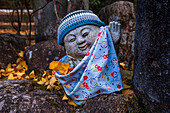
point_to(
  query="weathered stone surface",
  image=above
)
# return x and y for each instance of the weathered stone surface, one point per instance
(79, 5)
(9, 46)
(39, 56)
(24, 96)
(45, 20)
(151, 62)
(111, 103)
(123, 12)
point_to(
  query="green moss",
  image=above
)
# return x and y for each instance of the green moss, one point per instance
(23, 83)
(89, 101)
(41, 87)
(134, 105)
(35, 86)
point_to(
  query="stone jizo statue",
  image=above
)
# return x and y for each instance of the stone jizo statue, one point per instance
(79, 40)
(90, 51)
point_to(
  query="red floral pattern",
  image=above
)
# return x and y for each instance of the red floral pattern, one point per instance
(105, 56)
(85, 78)
(119, 86)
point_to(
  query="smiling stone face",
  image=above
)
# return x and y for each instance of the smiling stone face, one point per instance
(79, 41)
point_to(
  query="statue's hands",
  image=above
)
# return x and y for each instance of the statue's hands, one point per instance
(115, 30)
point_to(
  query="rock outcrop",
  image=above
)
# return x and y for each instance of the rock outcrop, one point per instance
(39, 56)
(123, 12)
(10, 45)
(25, 96)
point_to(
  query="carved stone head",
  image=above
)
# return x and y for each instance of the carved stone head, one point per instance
(77, 32)
(79, 41)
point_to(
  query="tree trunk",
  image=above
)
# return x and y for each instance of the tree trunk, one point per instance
(45, 20)
(79, 5)
(151, 61)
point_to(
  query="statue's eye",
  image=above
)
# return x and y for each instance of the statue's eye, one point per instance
(85, 34)
(71, 38)
(85, 31)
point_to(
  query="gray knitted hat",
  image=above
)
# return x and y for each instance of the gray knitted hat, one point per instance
(76, 19)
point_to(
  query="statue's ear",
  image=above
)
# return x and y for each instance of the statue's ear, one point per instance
(65, 49)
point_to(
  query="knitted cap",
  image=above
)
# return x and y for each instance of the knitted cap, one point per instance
(76, 19)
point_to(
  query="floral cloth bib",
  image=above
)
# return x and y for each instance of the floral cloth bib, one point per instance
(97, 73)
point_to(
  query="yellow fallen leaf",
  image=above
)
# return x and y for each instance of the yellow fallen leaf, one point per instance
(127, 92)
(57, 82)
(122, 64)
(57, 87)
(20, 75)
(33, 42)
(65, 97)
(32, 74)
(14, 65)
(49, 87)
(22, 70)
(40, 82)
(53, 64)
(63, 68)
(46, 84)
(9, 65)
(44, 74)
(26, 47)
(27, 77)
(20, 54)
(71, 102)
(70, 69)
(11, 77)
(125, 86)
(19, 67)
(52, 80)
(9, 70)
(63, 72)
(19, 60)
(43, 80)
(23, 63)
(35, 79)
(2, 71)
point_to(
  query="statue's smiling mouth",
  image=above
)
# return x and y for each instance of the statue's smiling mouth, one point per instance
(83, 46)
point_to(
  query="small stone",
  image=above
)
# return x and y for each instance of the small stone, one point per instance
(2, 104)
(46, 52)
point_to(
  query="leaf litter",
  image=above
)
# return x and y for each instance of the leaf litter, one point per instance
(48, 78)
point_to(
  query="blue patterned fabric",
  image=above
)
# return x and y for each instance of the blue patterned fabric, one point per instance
(76, 19)
(97, 73)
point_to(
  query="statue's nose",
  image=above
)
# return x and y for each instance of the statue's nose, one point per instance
(80, 40)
